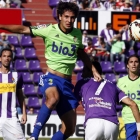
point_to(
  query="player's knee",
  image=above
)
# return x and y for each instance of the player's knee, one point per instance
(52, 102)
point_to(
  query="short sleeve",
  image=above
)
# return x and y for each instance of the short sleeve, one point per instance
(102, 33)
(20, 81)
(121, 94)
(40, 30)
(123, 47)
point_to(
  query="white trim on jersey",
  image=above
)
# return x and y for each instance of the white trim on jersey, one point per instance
(13, 102)
(4, 98)
(123, 98)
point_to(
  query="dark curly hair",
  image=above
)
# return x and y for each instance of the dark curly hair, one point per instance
(65, 6)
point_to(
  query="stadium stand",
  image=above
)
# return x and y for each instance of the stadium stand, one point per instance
(106, 66)
(18, 51)
(30, 53)
(29, 90)
(33, 102)
(111, 77)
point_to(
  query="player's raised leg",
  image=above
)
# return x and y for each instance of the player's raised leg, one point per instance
(52, 97)
(68, 126)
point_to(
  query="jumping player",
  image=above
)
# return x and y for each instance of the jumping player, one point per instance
(130, 84)
(63, 43)
(10, 87)
(99, 100)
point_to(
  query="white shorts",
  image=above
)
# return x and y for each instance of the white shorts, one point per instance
(100, 129)
(11, 129)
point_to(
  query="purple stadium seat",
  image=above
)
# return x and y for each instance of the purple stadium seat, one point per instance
(53, 2)
(119, 67)
(33, 102)
(138, 52)
(79, 76)
(18, 52)
(39, 92)
(13, 40)
(11, 66)
(54, 12)
(95, 41)
(138, 45)
(78, 66)
(30, 53)
(36, 111)
(36, 76)
(122, 75)
(29, 90)
(111, 77)
(26, 77)
(131, 52)
(106, 66)
(34, 65)
(20, 65)
(26, 41)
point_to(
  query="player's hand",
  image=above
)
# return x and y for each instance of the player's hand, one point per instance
(96, 75)
(138, 137)
(24, 119)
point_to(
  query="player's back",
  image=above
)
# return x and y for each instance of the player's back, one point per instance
(99, 98)
(8, 86)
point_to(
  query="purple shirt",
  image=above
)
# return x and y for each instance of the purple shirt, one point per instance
(99, 98)
(107, 34)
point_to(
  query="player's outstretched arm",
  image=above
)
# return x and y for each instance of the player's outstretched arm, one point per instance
(20, 29)
(84, 57)
(22, 105)
(135, 112)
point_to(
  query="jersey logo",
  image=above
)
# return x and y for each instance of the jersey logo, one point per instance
(75, 39)
(7, 87)
(57, 35)
(64, 50)
(50, 81)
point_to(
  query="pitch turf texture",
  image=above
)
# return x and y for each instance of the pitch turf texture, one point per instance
(68, 139)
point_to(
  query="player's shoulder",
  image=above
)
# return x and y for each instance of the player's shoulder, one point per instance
(77, 31)
(123, 79)
(82, 82)
(108, 82)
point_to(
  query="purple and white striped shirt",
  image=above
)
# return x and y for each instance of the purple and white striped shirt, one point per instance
(9, 83)
(107, 34)
(107, 5)
(125, 35)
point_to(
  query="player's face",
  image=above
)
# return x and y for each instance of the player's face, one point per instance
(67, 20)
(133, 64)
(6, 58)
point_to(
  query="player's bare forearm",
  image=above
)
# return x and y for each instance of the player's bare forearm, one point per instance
(21, 100)
(20, 29)
(133, 107)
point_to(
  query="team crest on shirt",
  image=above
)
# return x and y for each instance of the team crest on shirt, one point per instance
(13, 80)
(75, 39)
(50, 81)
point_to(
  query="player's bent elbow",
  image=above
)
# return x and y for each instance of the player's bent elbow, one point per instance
(133, 105)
